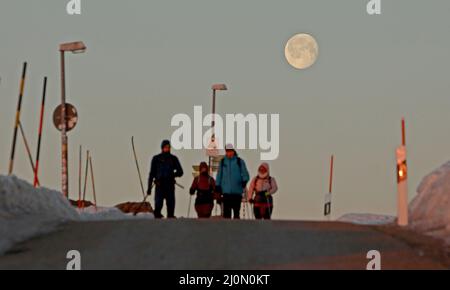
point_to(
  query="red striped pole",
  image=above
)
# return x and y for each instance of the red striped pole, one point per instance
(27, 147)
(17, 121)
(41, 123)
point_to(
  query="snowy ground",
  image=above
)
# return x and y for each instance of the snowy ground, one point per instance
(367, 219)
(26, 212)
(429, 211)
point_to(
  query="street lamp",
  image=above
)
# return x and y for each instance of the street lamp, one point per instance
(74, 47)
(216, 87)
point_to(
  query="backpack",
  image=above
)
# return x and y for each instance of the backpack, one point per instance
(259, 197)
(204, 195)
(239, 163)
(257, 178)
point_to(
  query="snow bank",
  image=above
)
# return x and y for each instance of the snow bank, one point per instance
(108, 213)
(367, 219)
(429, 212)
(26, 212)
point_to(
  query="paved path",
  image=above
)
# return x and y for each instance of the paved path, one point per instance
(215, 244)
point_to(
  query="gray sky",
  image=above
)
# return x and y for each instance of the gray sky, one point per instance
(148, 60)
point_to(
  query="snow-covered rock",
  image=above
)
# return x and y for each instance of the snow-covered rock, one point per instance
(429, 212)
(367, 219)
(26, 211)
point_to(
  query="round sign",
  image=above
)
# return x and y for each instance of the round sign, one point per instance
(71, 117)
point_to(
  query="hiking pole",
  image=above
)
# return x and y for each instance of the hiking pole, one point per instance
(137, 166)
(189, 208)
(252, 208)
(93, 183)
(79, 175)
(269, 208)
(85, 179)
(27, 147)
(41, 123)
(17, 121)
(143, 202)
(249, 209)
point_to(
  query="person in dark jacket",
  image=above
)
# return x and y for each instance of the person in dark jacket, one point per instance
(204, 185)
(232, 179)
(165, 167)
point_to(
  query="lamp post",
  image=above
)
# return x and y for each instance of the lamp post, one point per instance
(216, 87)
(74, 47)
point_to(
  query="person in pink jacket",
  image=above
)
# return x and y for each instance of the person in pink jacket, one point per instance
(260, 192)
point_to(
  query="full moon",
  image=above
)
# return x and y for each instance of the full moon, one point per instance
(301, 51)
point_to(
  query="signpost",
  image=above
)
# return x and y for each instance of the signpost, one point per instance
(71, 117)
(327, 205)
(402, 181)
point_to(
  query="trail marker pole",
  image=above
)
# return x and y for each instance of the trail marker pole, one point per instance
(41, 123)
(402, 181)
(27, 147)
(17, 120)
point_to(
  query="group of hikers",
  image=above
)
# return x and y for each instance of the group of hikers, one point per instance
(229, 189)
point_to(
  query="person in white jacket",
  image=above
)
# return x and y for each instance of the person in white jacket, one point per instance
(260, 192)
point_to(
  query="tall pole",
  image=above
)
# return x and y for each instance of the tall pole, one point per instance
(64, 141)
(402, 181)
(213, 124)
(41, 122)
(17, 121)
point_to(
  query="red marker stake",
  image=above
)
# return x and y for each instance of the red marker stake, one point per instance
(27, 148)
(41, 122)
